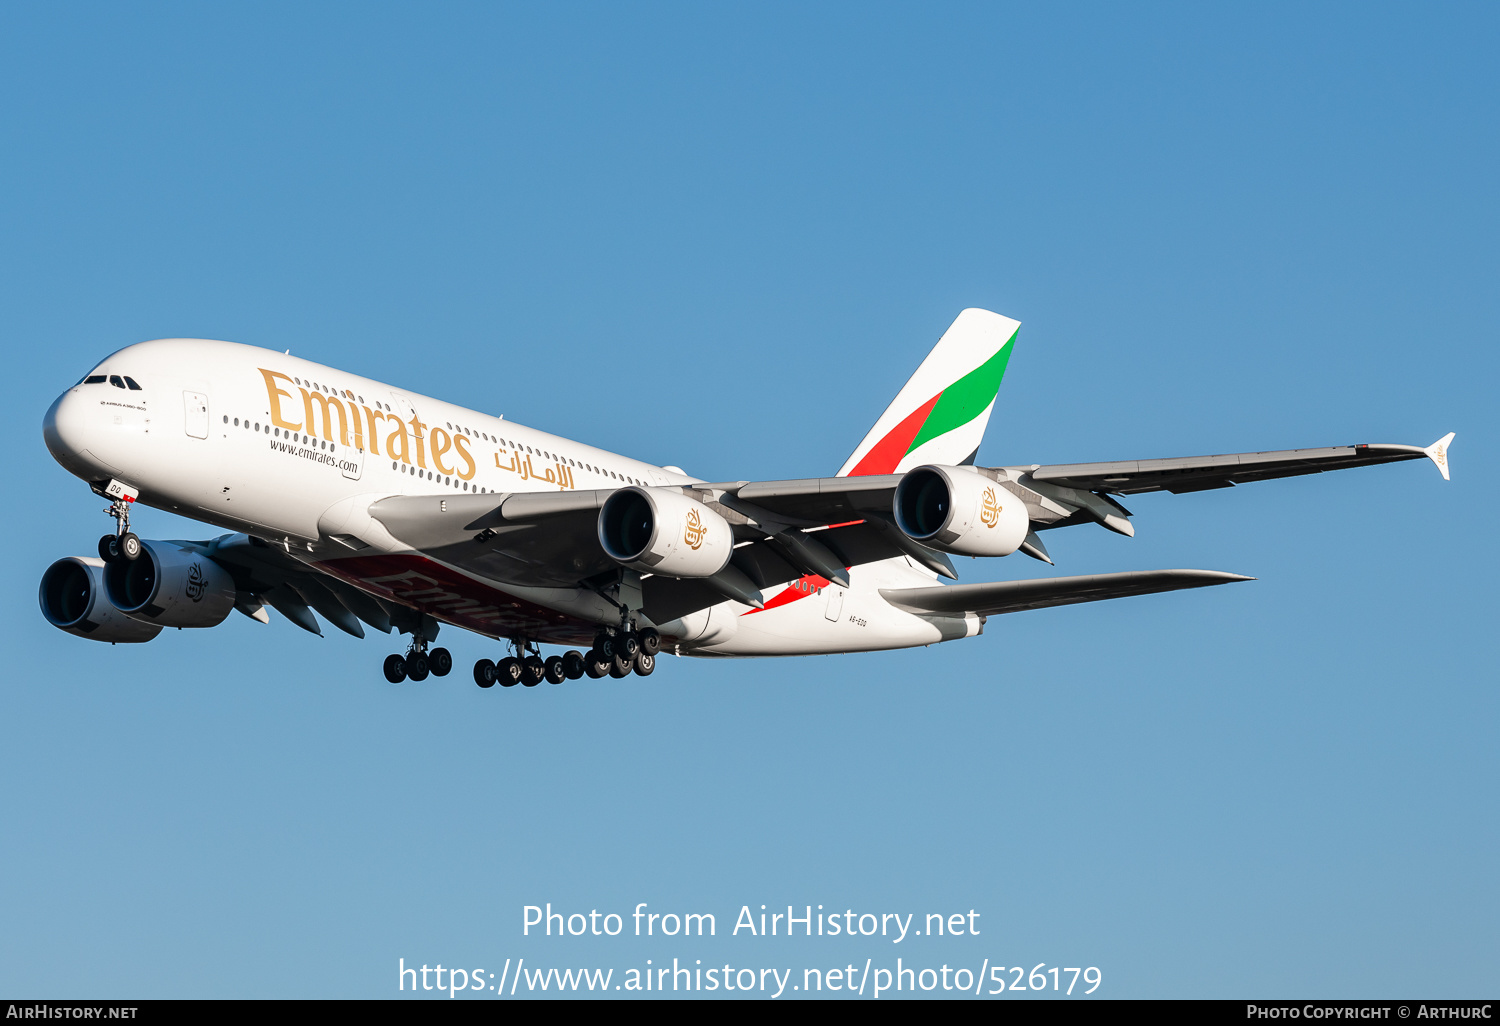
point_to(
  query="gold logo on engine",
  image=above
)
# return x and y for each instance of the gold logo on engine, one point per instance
(989, 510)
(695, 530)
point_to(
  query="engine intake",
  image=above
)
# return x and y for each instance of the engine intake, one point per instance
(959, 510)
(170, 586)
(662, 531)
(72, 598)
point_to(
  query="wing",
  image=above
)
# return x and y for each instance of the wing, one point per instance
(819, 527)
(536, 539)
(266, 576)
(1014, 596)
(1074, 493)
(1198, 473)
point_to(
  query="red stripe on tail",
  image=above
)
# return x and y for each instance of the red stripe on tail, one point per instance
(887, 452)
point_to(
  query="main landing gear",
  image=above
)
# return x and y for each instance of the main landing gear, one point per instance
(615, 654)
(618, 653)
(123, 545)
(528, 668)
(418, 663)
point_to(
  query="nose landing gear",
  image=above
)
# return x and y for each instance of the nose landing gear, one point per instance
(123, 544)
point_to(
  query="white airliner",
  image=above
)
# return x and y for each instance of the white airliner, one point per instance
(378, 507)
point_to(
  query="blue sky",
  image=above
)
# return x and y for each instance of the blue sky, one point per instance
(721, 237)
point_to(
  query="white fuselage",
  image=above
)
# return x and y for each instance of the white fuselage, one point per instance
(293, 452)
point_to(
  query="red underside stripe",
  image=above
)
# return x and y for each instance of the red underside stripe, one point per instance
(791, 593)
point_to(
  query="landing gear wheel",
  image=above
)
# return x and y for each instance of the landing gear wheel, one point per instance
(107, 549)
(553, 670)
(129, 546)
(645, 663)
(596, 664)
(484, 673)
(650, 641)
(395, 669)
(417, 666)
(627, 645)
(573, 664)
(508, 672)
(533, 671)
(604, 644)
(440, 661)
(619, 666)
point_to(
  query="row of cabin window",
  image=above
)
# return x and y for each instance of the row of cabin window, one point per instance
(341, 392)
(126, 382)
(572, 463)
(440, 479)
(430, 477)
(305, 439)
(545, 455)
(114, 379)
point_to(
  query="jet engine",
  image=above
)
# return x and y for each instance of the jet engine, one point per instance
(959, 510)
(170, 586)
(73, 599)
(662, 531)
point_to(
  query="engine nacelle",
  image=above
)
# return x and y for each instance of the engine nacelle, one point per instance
(170, 586)
(662, 531)
(73, 599)
(959, 510)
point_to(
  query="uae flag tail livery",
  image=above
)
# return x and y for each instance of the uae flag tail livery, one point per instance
(940, 415)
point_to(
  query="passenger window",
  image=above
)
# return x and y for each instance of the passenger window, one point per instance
(130, 383)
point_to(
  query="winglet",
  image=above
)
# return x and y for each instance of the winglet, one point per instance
(1437, 452)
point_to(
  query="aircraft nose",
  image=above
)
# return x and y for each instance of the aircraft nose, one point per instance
(65, 427)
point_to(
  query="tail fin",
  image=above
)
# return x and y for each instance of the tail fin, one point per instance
(941, 413)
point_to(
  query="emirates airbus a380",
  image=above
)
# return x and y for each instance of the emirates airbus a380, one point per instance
(374, 506)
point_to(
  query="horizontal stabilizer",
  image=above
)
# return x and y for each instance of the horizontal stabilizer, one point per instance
(1014, 596)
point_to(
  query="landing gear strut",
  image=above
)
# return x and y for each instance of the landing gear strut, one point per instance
(123, 544)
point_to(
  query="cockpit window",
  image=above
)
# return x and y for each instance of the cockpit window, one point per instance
(114, 379)
(130, 383)
(94, 379)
